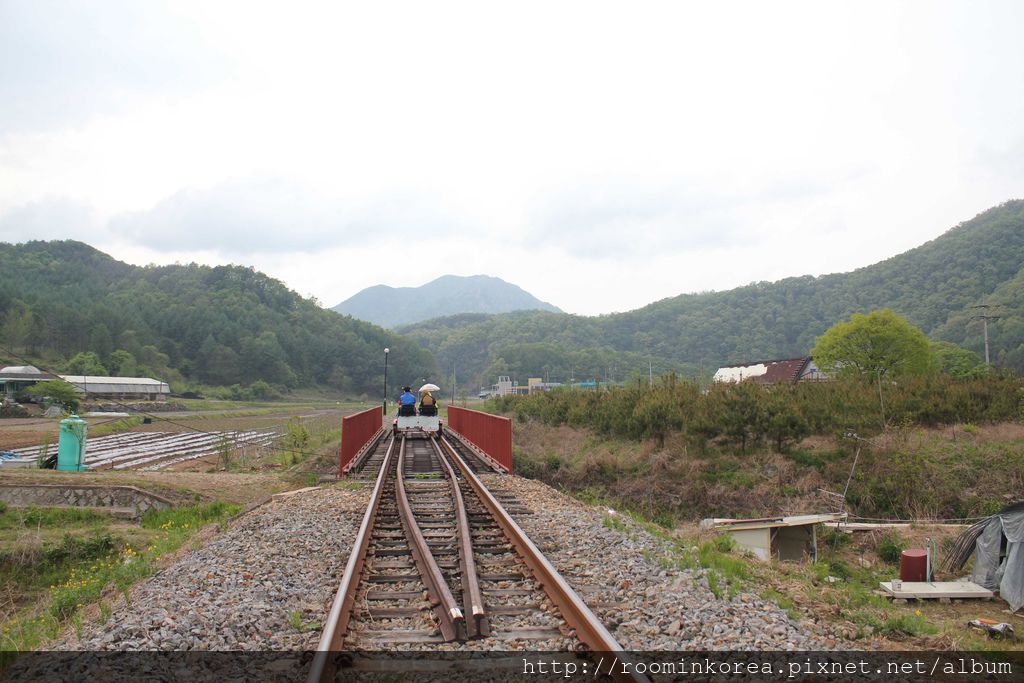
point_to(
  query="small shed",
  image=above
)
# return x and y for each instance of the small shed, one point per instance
(782, 538)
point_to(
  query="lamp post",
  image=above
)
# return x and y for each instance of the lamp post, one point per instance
(386, 351)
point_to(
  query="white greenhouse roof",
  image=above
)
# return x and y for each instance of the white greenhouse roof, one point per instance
(20, 370)
(117, 385)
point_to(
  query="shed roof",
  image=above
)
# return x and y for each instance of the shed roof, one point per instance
(24, 373)
(20, 370)
(117, 385)
(773, 522)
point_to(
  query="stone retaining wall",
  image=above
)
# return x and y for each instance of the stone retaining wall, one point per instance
(45, 495)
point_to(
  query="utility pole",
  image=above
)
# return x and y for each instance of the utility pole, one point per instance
(650, 373)
(386, 352)
(984, 317)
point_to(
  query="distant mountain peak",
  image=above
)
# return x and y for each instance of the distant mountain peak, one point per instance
(447, 295)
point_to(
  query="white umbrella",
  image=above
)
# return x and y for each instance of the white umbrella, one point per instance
(429, 387)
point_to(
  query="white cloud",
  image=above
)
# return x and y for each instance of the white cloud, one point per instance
(62, 62)
(49, 218)
(269, 215)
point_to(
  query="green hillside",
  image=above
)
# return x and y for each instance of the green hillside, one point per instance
(220, 325)
(231, 325)
(933, 286)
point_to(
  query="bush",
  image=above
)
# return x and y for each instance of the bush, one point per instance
(71, 548)
(890, 548)
(833, 538)
(749, 413)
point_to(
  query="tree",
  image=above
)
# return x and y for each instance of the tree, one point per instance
(958, 362)
(784, 423)
(879, 344)
(100, 341)
(56, 389)
(123, 364)
(17, 324)
(86, 363)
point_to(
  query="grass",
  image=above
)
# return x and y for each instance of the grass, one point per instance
(727, 571)
(839, 588)
(308, 479)
(817, 459)
(213, 404)
(728, 472)
(908, 625)
(37, 517)
(55, 577)
(123, 424)
(616, 523)
(296, 622)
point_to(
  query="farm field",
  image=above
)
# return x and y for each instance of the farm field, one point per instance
(201, 440)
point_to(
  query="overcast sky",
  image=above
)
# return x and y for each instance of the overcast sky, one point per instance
(599, 155)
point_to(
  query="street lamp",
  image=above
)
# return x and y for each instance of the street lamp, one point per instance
(386, 351)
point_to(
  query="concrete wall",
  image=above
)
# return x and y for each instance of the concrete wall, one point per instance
(51, 495)
(757, 541)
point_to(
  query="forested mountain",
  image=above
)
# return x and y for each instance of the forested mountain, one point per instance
(447, 295)
(220, 325)
(933, 286)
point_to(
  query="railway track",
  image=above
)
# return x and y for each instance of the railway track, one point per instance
(439, 564)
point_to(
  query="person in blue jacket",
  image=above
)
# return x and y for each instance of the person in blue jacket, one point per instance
(407, 403)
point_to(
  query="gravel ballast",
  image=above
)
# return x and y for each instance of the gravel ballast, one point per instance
(238, 591)
(645, 606)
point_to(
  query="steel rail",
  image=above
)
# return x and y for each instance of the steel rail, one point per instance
(472, 595)
(361, 456)
(449, 617)
(589, 628)
(324, 667)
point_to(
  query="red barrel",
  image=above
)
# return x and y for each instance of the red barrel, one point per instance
(914, 565)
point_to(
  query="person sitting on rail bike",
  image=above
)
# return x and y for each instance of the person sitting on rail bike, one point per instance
(407, 403)
(428, 405)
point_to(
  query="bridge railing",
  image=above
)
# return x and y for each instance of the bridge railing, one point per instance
(492, 434)
(356, 432)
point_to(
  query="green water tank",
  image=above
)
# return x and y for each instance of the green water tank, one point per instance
(71, 444)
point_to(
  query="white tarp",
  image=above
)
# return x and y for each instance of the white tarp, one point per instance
(738, 373)
(1006, 575)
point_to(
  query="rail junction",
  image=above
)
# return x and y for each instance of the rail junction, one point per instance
(439, 563)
